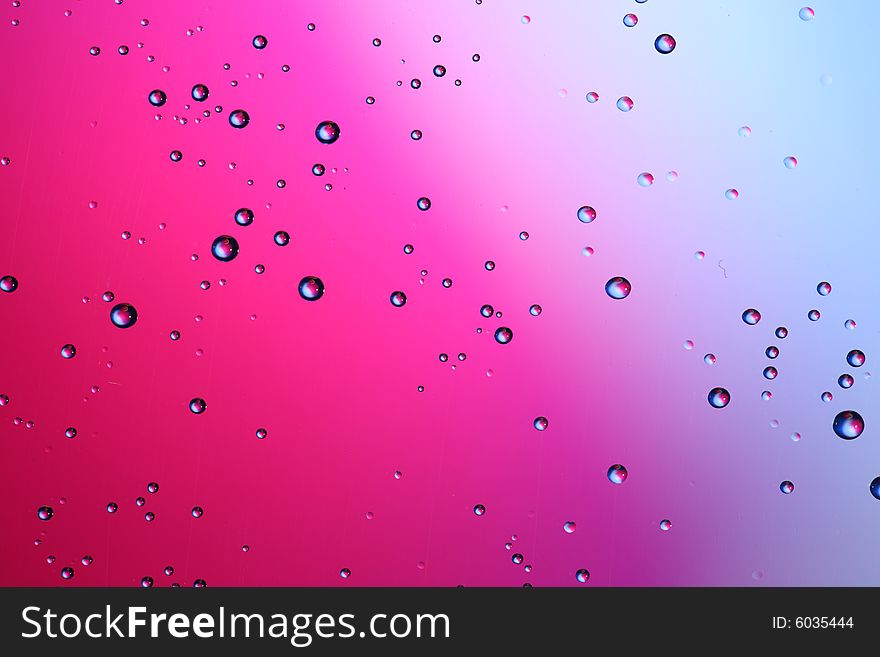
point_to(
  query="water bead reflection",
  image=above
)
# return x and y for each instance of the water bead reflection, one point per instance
(826, 397)
(535, 310)
(824, 288)
(67, 573)
(8, 284)
(45, 513)
(311, 288)
(541, 423)
(645, 179)
(848, 425)
(68, 351)
(592, 97)
(718, 397)
(790, 162)
(281, 238)
(786, 487)
(781, 332)
(479, 510)
(770, 373)
(423, 204)
(200, 93)
(224, 248)
(327, 132)
(517, 558)
(244, 216)
(198, 405)
(487, 310)
(806, 13)
(586, 214)
(503, 335)
(617, 474)
(665, 525)
(664, 44)
(751, 316)
(239, 119)
(710, 359)
(618, 288)
(766, 395)
(260, 42)
(856, 358)
(569, 527)
(625, 103)
(630, 20)
(582, 575)
(398, 299)
(850, 324)
(157, 98)
(875, 487)
(771, 351)
(814, 315)
(439, 70)
(489, 265)
(197, 512)
(175, 156)
(731, 194)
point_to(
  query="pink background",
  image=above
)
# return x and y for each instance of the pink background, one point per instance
(335, 382)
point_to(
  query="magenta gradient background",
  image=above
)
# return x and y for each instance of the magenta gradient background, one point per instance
(335, 382)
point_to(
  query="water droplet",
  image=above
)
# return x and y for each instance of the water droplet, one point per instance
(157, 98)
(826, 397)
(586, 214)
(617, 474)
(503, 335)
(731, 194)
(625, 103)
(479, 510)
(152, 487)
(416, 135)
(541, 423)
(814, 315)
(8, 284)
(94, 51)
(68, 351)
(281, 238)
(198, 405)
(751, 316)
(67, 573)
(123, 315)
(149, 516)
(244, 217)
(771, 351)
(790, 162)
(875, 487)
(645, 179)
(147, 582)
(447, 282)
(664, 44)
(525, 20)
(592, 97)
(569, 527)
(709, 359)
(45, 513)
(239, 118)
(856, 358)
(440, 70)
(718, 397)
(424, 203)
(517, 558)
(327, 132)
(398, 299)
(224, 248)
(197, 512)
(845, 381)
(618, 288)
(806, 13)
(311, 288)
(535, 310)
(200, 93)
(786, 487)
(345, 573)
(112, 507)
(87, 560)
(770, 373)
(176, 156)
(487, 310)
(781, 332)
(824, 288)
(850, 324)
(688, 344)
(848, 425)
(260, 42)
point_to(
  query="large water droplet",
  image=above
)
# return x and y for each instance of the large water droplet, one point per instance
(664, 44)
(503, 335)
(200, 93)
(586, 214)
(848, 425)
(875, 487)
(617, 474)
(68, 351)
(856, 358)
(398, 299)
(224, 248)
(541, 423)
(719, 397)
(751, 316)
(8, 284)
(582, 575)
(157, 98)
(327, 132)
(786, 487)
(45, 513)
(618, 288)
(311, 288)
(239, 118)
(198, 405)
(625, 103)
(260, 42)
